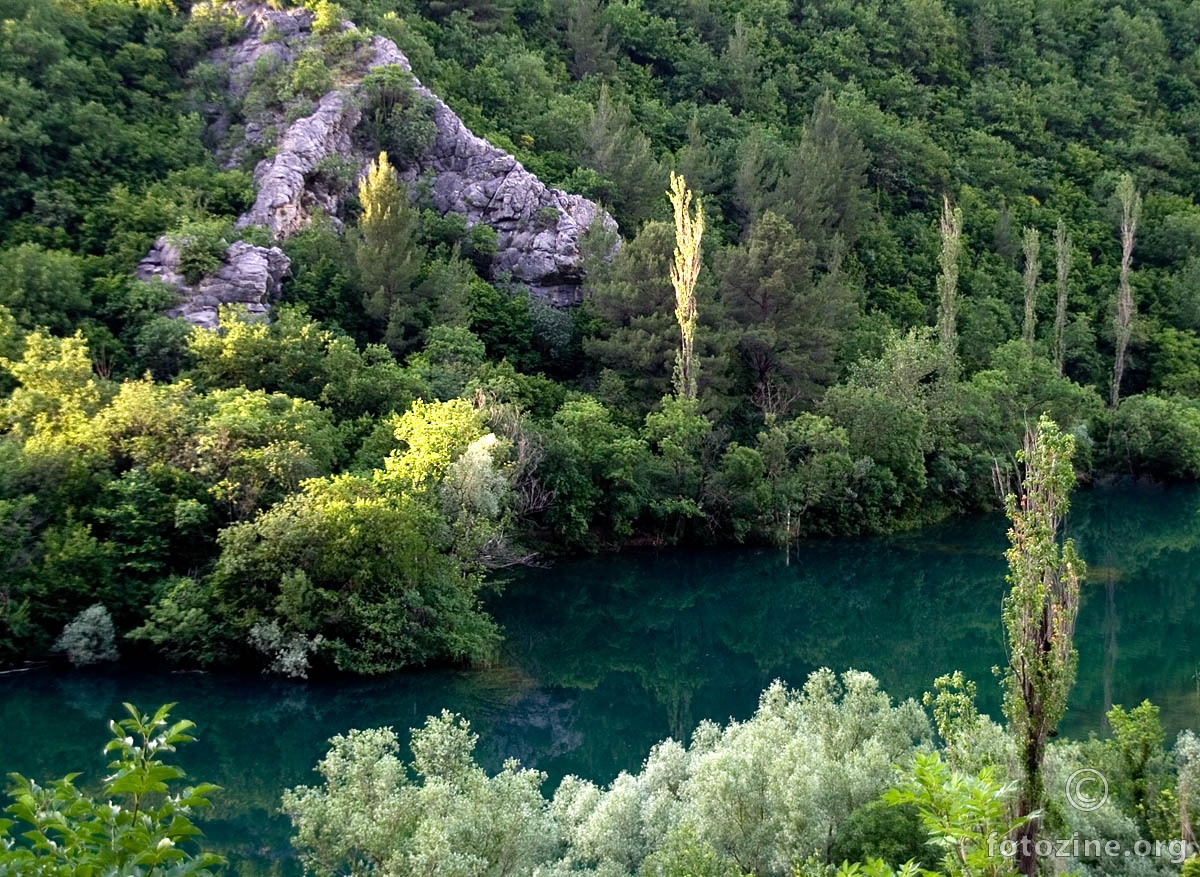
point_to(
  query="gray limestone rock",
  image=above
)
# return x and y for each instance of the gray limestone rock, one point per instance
(249, 276)
(539, 229)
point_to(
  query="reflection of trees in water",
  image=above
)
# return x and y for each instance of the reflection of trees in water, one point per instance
(696, 636)
(654, 643)
(606, 656)
(1140, 612)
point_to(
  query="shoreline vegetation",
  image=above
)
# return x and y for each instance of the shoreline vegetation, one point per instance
(831, 779)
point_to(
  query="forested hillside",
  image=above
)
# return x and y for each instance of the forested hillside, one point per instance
(926, 223)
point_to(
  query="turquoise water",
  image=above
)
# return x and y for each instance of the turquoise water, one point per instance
(605, 656)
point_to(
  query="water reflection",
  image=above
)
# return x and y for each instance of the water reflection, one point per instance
(605, 656)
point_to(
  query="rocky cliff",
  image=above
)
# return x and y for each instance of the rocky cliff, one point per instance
(538, 229)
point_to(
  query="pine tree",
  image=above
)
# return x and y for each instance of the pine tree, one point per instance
(1039, 612)
(823, 191)
(587, 40)
(1131, 211)
(787, 318)
(620, 152)
(685, 271)
(388, 255)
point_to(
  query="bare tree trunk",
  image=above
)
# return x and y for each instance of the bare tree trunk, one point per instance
(1131, 210)
(1062, 258)
(1031, 246)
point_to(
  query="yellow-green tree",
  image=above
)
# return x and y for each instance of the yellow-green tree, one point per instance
(388, 255)
(685, 272)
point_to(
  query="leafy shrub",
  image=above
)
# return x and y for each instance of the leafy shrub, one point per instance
(202, 246)
(309, 77)
(1156, 436)
(161, 346)
(395, 118)
(750, 797)
(139, 823)
(266, 81)
(338, 172)
(90, 638)
(553, 329)
(327, 17)
(288, 651)
(477, 244)
(42, 287)
(343, 47)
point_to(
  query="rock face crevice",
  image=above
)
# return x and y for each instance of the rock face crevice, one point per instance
(538, 229)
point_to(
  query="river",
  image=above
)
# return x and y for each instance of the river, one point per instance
(606, 655)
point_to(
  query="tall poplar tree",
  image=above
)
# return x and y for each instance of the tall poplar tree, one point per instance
(1131, 212)
(1031, 247)
(1062, 260)
(1039, 613)
(947, 284)
(685, 271)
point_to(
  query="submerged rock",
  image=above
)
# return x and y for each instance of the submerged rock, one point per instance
(538, 229)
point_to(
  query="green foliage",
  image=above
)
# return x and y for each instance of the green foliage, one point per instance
(789, 322)
(631, 309)
(630, 177)
(295, 355)
(396, 119)
(1040, 610)
(822, 142)
(89, 639)
(202, 245)
(376, 577)
(962, 815)
(1156, 436)
(455, 820)
(327, 17)
(449, 237)
(1138, 740)
(450, 359)
(42, 288)
(309, 77)
(370, 572)
(970, 741)
(881, 834)
(387, 253)
(751, 797)
(139, 823)
(324, 277)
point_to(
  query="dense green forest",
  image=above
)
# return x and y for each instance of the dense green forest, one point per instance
(927, 223)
